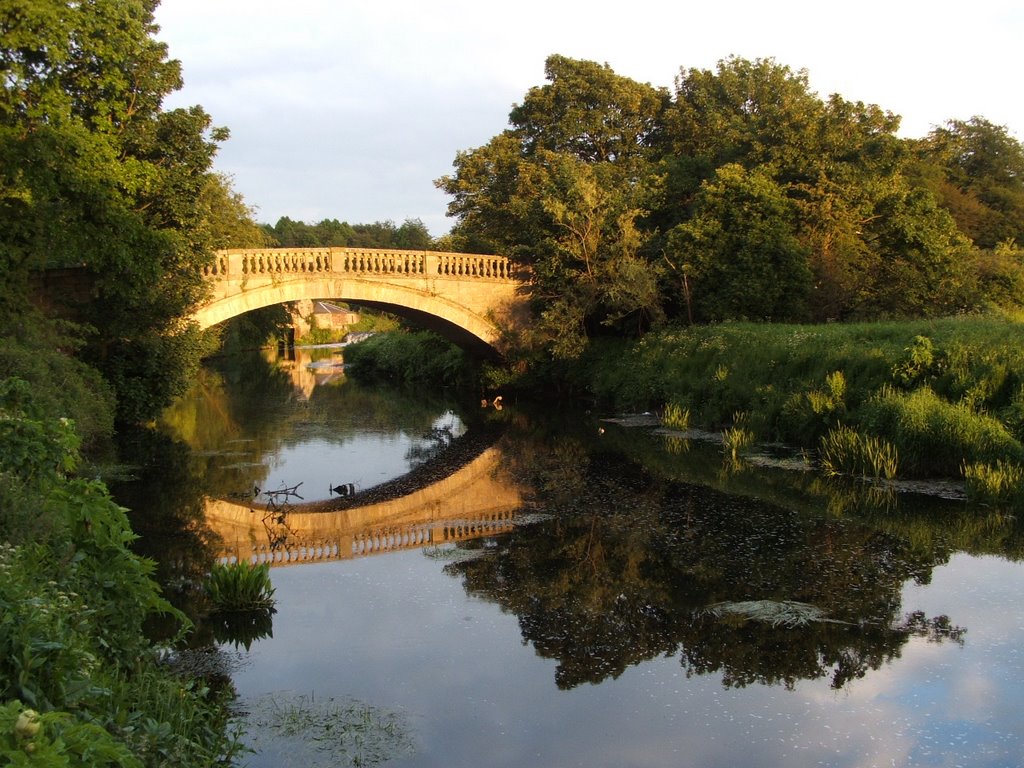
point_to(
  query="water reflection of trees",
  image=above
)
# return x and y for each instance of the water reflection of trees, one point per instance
(242, 408)
(165, 503)
(630, 561)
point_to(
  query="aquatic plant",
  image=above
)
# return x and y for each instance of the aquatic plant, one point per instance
(676, 417)
(328, 732)
(737, 438)
(240, 587)
(778, 613)
(844, 451)
(999, 483)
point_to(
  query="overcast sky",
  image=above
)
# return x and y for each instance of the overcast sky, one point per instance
(350, 110)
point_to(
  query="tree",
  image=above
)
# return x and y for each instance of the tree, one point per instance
(976, 169)
(95, 174)
(562, 192)
(741, 250)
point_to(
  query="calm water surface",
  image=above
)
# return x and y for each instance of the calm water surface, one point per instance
(608, 616)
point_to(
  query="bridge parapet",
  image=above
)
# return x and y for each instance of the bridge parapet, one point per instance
(238, 264)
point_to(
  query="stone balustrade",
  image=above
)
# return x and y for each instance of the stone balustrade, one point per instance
(238, 264)
(296, 549)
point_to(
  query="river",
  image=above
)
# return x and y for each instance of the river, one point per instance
(464, 585)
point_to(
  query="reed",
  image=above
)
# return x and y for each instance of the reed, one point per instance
(676, 417)
(737, 438)
(844, 451)
(999, 483)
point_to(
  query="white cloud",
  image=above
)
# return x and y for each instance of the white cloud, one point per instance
(393, 90)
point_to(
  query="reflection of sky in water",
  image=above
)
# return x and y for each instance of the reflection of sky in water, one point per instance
(396, 632)
(364, 459)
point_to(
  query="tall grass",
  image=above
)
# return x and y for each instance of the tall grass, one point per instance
(676, 417)
(935, 436)
(996, 484)
(737, 438)
(844, 451)
(941, 392)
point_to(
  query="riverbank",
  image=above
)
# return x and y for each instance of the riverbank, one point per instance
(80, 682)
(938, 398)
(911, 399)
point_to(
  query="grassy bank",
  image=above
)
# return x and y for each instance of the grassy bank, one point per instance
(919, 398)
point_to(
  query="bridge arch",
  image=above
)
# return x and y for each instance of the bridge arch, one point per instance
(471, 298)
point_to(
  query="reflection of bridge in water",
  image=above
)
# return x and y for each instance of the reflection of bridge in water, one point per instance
(477, 500)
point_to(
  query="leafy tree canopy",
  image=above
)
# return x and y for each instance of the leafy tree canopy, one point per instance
(743, 194)
(95, 174)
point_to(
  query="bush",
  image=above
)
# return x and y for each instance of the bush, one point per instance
(72, 607)
(415, 358)
(935, 437)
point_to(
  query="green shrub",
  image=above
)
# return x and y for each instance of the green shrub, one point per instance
(57, 740)
(72, 607)
(935, 437)
(416, 358)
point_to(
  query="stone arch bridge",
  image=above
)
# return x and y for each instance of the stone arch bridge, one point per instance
(472, 299)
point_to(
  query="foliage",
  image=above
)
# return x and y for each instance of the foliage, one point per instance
(412, 235)
(740, 195)
(741, 253)
(563, 192)
(40, 353)
(57, 740)
(409, 358)
(96, 176)
(72, 607)
(940, 392)
(240, 587)
(844, 451)
(976, 170)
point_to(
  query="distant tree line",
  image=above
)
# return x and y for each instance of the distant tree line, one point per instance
(741, 194)
(412, 235)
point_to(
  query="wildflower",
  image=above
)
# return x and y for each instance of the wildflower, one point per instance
(27, 725)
